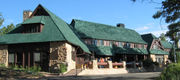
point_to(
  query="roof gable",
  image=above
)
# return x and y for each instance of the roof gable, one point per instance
(55, 29)
(106, 32)
(149, 39)
(40, 11)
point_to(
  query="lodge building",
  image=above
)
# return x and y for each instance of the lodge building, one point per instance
(45, 40)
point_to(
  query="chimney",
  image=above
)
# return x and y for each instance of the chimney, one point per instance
(120, 25)
(26, 14)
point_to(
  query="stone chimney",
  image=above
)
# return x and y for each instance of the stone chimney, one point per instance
(120, 25)
(26, 14)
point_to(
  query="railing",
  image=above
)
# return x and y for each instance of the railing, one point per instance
(117, 65)
(102, 65)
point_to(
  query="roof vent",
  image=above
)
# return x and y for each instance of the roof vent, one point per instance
(120, 25)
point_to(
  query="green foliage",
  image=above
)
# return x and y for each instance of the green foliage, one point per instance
(63, 67)
(162, 37)
(178, 57)
(2, 65)
(148, 63)
(7, 29)
(1, 20)
(170, 12)
(172, 72)
(31, 70)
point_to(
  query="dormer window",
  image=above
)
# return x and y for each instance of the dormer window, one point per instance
(32, 28)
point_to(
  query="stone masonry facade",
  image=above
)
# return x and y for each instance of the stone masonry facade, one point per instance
(4, 55)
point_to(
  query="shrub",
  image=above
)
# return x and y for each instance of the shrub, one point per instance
(147, 63)
(2, 65)
(172, 72)
(63, 68)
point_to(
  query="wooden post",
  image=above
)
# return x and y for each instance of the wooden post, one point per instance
(29, 59)
(125, 57)
(15, 58)
(23, 61)
(136, 57)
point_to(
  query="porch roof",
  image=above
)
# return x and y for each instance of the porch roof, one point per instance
(110, 51)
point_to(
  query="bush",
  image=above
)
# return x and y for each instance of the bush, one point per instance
(147, 62)
(149, 65)
(172, 72)
(63, 68)
(2, 65)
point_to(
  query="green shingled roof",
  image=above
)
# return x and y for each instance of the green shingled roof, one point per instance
(35, 19)
(166, 44)
(110, 51)
(157, 51)
(148, 38)
(55, 29)
(106, 32)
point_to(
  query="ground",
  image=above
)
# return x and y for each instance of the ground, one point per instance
(10, 74)
(128, 76)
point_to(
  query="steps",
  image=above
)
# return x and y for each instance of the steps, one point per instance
(73, 72)
(102, 71)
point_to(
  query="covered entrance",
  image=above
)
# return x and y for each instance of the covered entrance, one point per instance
(28, 55)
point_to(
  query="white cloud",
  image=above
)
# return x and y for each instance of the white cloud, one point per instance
(142, 28)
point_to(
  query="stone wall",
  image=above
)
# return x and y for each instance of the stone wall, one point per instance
(58, 55)
(152, 56)
(165, 58)
(61, 52)
(4, 55)
(70, 62)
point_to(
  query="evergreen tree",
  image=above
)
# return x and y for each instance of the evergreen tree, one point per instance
(7, 29)
(162, 37)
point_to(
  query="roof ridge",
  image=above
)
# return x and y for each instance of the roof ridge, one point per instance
(76, 41)
(110, 26)
(93, 22)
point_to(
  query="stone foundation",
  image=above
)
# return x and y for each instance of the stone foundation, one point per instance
(61, 52)
(71, 64)
(57, 55)
(4, 55)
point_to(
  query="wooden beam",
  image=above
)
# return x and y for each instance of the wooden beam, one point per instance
(29, 59)
(15, 58)
(136, 57)
(23, 61)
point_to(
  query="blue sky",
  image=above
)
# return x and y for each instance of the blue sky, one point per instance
(136, 16)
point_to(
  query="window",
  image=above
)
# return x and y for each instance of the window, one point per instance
(110, 43)
(128, 45)
(11, 58)
(95, 42)
(106, 43)
(142, 46)
(120, 44)
(101, 42)
(37, 57)
(135, 45)
(155, 47)
(32, 28)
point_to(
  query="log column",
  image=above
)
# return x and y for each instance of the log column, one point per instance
(29, 59)
(15, 58)
(23, 61)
